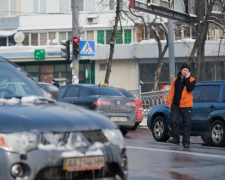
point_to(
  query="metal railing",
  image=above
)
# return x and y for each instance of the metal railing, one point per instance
(150, 99)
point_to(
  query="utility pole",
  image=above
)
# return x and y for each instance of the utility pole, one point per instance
(171, 50)
(75, 33)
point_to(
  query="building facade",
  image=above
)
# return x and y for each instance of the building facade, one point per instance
(45, 23)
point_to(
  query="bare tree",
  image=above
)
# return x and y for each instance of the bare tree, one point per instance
(203, 21)
(112, 42)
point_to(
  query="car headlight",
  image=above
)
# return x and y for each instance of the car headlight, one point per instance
(18, 142)
(115, 137)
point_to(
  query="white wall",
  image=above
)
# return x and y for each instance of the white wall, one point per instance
(123, 75)
(26, 6)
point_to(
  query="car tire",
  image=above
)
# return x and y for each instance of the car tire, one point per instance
(206, 140)
(217, 135)
(124, 131)
(135, 127)
(159, 129)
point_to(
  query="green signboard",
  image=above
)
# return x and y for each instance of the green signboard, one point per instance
(39, 54)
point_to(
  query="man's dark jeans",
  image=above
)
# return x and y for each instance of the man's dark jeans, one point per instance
(176, 111)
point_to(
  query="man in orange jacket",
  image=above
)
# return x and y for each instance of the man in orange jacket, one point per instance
(181, 102)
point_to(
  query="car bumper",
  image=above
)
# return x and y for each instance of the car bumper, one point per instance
(131, 118)
(39, 162)
(139, 117)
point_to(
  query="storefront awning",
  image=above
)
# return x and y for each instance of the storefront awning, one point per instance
(7, 33)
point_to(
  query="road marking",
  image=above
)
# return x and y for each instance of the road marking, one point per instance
(174, 151)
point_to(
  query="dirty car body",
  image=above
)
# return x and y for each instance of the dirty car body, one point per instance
(44, 139)
(107, 101)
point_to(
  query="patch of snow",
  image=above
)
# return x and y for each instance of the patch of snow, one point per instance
(9, 101)
(96, 145)
(144, 122)
(149, 41)
(29, 99)
(193, 15)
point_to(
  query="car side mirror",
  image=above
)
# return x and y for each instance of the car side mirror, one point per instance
(53, 90)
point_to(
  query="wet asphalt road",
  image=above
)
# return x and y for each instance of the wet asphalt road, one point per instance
(149, 159)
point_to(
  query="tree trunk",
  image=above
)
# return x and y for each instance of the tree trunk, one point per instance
(112, 43)
(158, 72)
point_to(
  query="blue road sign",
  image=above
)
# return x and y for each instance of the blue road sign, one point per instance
(87, 48)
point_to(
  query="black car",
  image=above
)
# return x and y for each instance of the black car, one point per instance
(105, 100)
(42, 139)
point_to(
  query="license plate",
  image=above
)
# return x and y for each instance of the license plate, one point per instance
(119, 119)
(84, 163)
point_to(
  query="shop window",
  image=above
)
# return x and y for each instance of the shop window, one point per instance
(90, 5)
(90, 35)
(3, 41)
(127, 36)
(47, 69)
(148, 71)
(43, 39)
(70, 35)
(60, 68)
(64, 6)
(102, 67)
(34, 39)
(101, 38)
(47, 78)
(68, 68)
(26, 40)
(11, 41)
(62, 36)
(31, 69)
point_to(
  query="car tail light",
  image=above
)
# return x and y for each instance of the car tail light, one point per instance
(131, 104)
(103, 103)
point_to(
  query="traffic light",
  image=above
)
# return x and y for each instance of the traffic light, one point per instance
(76, 45)
(66, 49)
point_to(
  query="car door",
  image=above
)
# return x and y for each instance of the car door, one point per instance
(2, 90)
(207, 102)
(62, 91)
(72, 94)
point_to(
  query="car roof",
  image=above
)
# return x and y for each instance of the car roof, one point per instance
(211, 83)
(89, 85)
(2, 59)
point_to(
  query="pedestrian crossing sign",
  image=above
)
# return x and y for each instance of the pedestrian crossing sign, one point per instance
(87, 48)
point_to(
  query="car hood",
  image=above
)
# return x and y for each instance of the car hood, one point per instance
(51, 117)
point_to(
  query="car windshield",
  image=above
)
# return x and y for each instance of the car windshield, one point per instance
(126, 93)
(106, 91)
(14, 82)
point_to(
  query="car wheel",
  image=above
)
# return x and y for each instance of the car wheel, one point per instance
(135, 127)
(124, 131)
(159, 129)
(217, 136)
(206, 140)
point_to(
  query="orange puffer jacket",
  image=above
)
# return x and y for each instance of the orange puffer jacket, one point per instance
(186, 97)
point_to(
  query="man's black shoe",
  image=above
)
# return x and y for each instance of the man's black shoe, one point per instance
(186, 145)
(174, 141)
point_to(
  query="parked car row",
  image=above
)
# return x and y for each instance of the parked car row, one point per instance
(41, 138)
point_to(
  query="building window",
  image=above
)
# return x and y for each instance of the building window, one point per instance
(119, 37)
(111, 5)
(13, 7)
(4, 8)
(62, 36)
(52, 36)
(43, 6)
(102, 67)
(81, 5)
(108, 36)
(90, 5)
(34, 39)
(64, 6)
(101, 37)
(43, 39)
(35, 5)
(90, 35)
(26, 40)
(127, 36)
